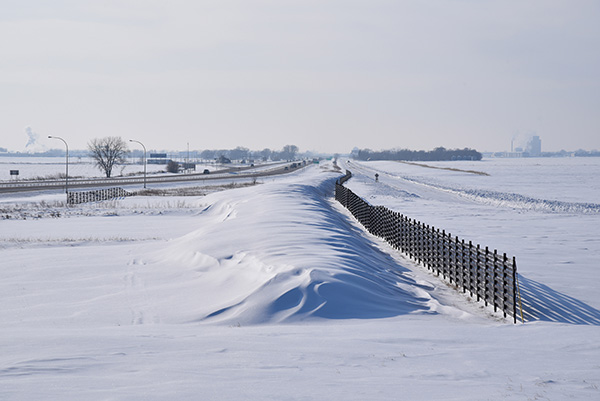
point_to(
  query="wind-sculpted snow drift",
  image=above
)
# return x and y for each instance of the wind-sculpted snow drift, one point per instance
(295, 258)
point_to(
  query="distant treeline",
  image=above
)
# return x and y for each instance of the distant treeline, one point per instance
(46, 153)
(577, 153)
(437, 154)
(288, 152)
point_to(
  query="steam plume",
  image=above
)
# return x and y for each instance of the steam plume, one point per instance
(33, 137)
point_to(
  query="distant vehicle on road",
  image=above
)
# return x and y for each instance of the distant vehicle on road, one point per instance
(206, 171)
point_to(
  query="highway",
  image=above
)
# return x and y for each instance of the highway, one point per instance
(232, 173)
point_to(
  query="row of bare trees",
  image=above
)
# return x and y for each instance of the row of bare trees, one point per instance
(112, 150)
(288, 152)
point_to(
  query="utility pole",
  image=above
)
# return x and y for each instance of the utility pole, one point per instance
(132, 140)
(66, 164)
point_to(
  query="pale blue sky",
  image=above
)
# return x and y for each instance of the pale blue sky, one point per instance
(324, 75)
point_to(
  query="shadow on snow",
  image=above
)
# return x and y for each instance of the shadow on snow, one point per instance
(542, 303)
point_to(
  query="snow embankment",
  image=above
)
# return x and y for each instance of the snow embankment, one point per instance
(280, 252)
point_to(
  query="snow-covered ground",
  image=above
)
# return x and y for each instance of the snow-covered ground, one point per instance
(274, 292)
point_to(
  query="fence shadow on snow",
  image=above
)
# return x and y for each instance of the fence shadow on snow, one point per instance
(542, 303)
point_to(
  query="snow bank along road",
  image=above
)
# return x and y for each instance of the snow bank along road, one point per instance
(265, 292)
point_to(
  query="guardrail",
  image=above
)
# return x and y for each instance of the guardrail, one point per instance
(488, 276)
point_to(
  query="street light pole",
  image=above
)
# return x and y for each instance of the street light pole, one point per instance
(132, 140)
(67, 165)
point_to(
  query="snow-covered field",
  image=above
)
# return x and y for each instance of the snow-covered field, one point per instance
(274, 292)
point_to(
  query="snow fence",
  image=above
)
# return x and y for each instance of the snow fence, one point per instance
(488, 276)
(74, 198)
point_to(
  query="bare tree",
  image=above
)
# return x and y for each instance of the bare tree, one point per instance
(107, 152)
(265, 154)
(289, 152)
(208, 154)
(239, 153)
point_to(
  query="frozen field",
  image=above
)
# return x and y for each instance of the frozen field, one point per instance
(535, 179)
(274, 292)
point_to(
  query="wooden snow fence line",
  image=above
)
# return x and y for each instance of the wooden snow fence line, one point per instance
(96, 195)
(488, 276)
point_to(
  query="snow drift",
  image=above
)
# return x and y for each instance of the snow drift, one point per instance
(280, 252)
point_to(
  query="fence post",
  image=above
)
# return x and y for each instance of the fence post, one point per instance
(514, 274)
(426, 243)
(417, 236)
(436, 248)
(455, 261)
(449, 265)
(445, 265)
(397, 230)
(421, 227)
(401, 239)
(477, 272)
(413, 235)
(419, 241)
(441, 249)
(494, 276)
(407, 236)
(504, 284)
(485, 277)
(466, 277)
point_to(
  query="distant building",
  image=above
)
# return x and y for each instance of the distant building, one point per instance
(534, 146)
(158, 158)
